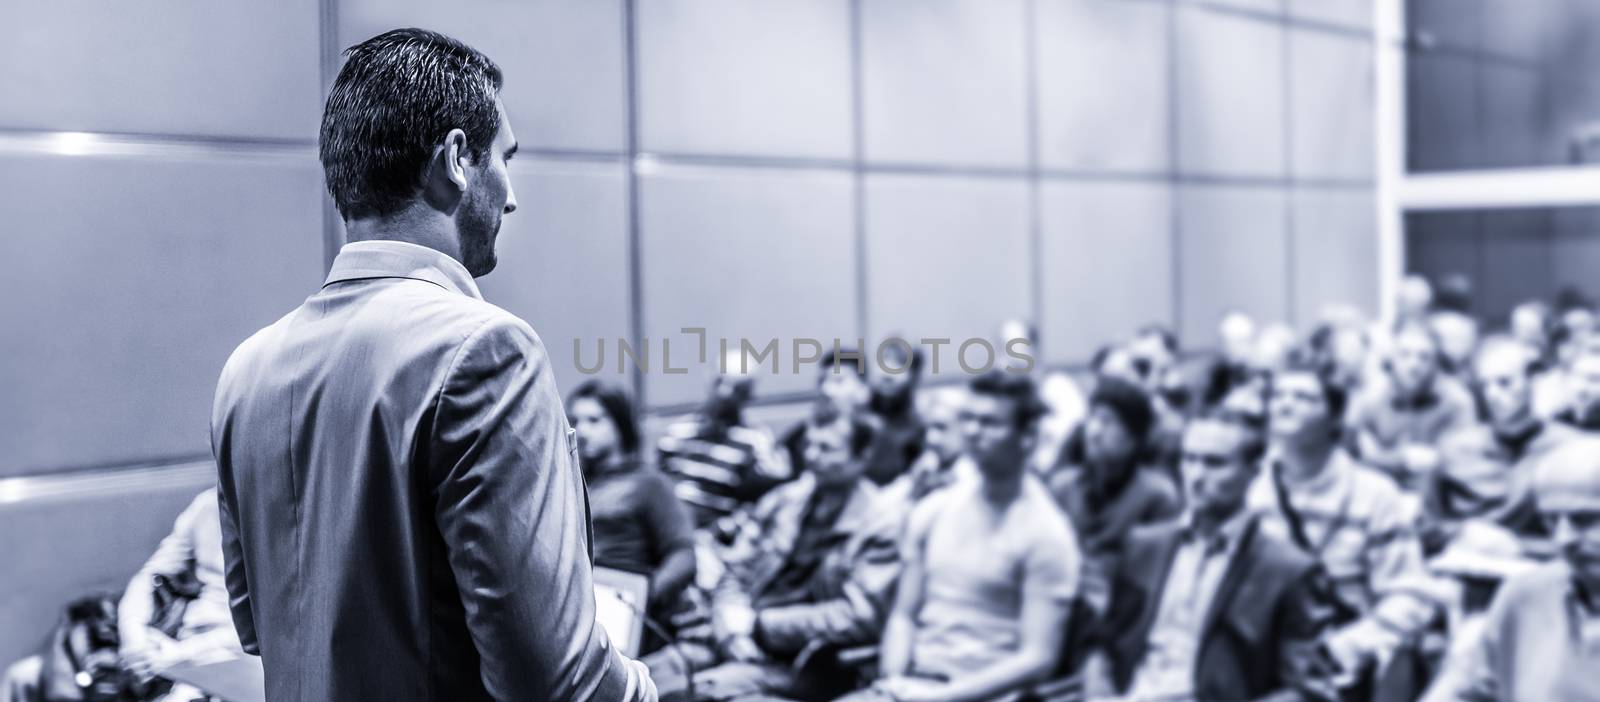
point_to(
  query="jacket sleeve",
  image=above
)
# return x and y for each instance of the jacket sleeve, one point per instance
(1469, 673)
(511, 508)
(234, 576)
(1405, 595)
(857, 615)
(1303, 615)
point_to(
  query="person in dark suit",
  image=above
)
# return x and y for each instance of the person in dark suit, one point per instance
(1209, 607)
(403, 516)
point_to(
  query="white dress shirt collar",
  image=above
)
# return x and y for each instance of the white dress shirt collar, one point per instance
(399, 259)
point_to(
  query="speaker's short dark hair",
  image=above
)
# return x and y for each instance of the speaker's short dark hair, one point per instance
(1012, 386)
(616, 404)
(397, 96)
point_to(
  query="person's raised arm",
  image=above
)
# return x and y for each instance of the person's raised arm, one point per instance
(172, 558)
(510, 506)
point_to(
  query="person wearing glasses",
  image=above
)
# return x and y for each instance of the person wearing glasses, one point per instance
(1541, 637)
(1211, 606)
(1352, 518)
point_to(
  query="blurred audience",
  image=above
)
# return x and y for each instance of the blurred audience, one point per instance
(1487, 467)
(941, 462)
(894, 404)
(1582, 407)
(1234, 364)
(1541, 637)
(1105, 485)
(1296, 516)
(1452, 321)
(813, 575)
(174, 612)
(842, 395)
(639, 525)
(1396, 423)
(719, 462)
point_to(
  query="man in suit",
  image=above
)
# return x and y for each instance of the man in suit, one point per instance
(813, 573)
(1209, 607)
(402, 512)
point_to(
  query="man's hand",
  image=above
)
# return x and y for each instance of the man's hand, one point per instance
(147, 655)
(1420, 459)
(744, 649)
(1348, 655)
(904, 689)
(733, 621)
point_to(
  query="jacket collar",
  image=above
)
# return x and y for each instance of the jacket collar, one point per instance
(398, 259)
(857, 511)
(1426, 399)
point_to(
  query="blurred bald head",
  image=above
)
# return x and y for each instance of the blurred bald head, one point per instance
(1567, 486)
(1568, 480)
(1502, 370)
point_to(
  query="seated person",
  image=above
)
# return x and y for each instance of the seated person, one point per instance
(894, 404)
(1108, 489)
(941, 462)
(1211, 607)
(639, 525)
(815, 574)
(842, 392)
(205, 633)
(1487, 468)
(991, 568)
(1233, 365)
(1541, 637)
(1396, 425)
(1353, 519)
(719, 462)
(1582, 410)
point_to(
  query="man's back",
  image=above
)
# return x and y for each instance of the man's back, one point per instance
(396, 481)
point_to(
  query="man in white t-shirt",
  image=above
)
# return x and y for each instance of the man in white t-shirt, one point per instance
(990, 567)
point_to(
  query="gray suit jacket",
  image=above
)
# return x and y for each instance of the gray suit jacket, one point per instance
(402, 511)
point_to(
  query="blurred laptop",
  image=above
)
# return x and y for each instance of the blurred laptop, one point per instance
(620, 598)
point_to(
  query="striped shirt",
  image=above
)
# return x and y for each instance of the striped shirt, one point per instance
(1362, 529)
(715, 476)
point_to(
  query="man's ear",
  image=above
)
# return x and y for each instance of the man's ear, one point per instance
(453, 157)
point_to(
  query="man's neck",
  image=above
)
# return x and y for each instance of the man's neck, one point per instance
(600, 463)
(1415, 395)
(1002, 490)
(1302, 462)
(892, 407)
(415, 224)
(1209, 521)
(1521, 422)
(1109, 478)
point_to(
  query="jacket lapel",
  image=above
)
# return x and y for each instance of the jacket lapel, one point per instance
(1233, 580)
(1155, 587)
